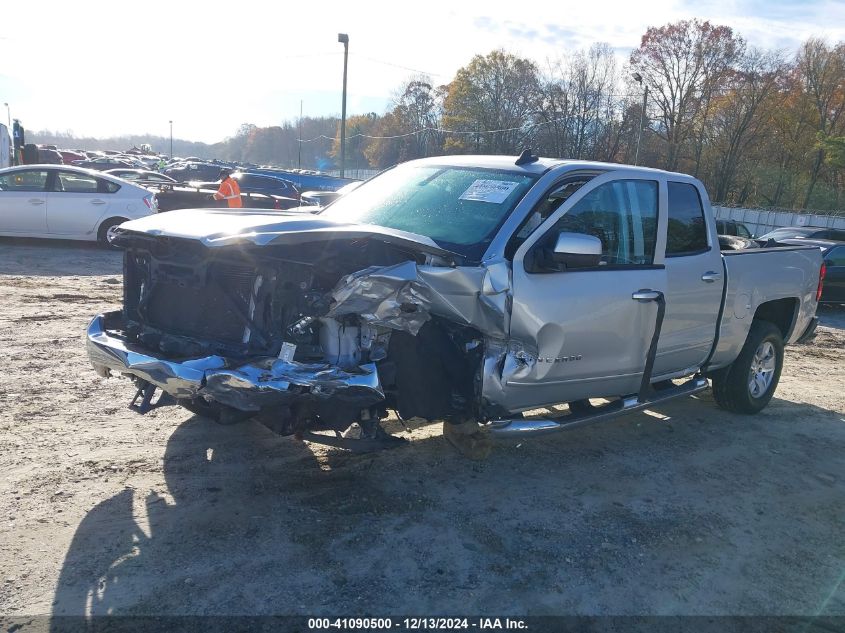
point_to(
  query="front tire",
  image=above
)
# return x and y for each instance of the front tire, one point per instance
(747, 385)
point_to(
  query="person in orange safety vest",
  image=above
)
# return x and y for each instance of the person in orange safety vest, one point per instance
(229, 190)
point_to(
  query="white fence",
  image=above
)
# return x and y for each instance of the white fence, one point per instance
(359, 174)
(761, 221)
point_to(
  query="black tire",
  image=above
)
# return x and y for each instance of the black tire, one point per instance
(103, 231)
(732, 387)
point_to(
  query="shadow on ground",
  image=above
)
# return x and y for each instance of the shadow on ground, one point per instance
(57, 258)
(688, 510)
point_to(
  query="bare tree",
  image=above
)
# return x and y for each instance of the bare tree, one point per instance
(742, 115)
(823, 71)
(683, 64)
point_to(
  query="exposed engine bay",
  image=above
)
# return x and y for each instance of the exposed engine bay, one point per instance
(311, 336)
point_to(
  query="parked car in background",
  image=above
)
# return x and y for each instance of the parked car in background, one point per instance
(103, 163)
(67, 202)
(304, 181)
(68, 156)
(201, 172)
(732, 227)
(833, 253)
(322, 198)
(259, 183)
(47, 156)
(132, 160)
(803, 232)
(142, 176)
(172, 197)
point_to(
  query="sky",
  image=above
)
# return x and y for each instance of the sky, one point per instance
(105, 68)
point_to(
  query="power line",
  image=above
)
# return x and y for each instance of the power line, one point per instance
(441, 131)
(413, 70)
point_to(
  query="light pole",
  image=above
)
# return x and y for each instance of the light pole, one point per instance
(171, 140)
(343, 38)
(8, 115)
(639, 79)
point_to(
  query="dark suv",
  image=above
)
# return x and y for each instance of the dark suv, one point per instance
(732, 227)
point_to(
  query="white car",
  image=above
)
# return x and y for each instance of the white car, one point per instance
(68, 202)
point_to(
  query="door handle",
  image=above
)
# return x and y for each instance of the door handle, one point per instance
(98, 202)
(36, 201)
(644, 295)
(710, 276)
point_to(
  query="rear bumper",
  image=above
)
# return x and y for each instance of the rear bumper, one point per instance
(810, 333)
(261, 382)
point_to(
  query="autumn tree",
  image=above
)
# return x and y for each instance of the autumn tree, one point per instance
(578, 113)
(411, 128)
(740, 117)
(822, 68)
(490, 102)
(359, 131)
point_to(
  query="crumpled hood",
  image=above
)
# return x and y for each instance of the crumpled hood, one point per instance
(222, 227)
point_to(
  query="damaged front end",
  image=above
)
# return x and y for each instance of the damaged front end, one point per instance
(307, 331)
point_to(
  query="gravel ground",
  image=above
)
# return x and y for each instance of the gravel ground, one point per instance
(686, 509)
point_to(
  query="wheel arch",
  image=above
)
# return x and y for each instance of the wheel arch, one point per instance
(783, 313)
(107, 222)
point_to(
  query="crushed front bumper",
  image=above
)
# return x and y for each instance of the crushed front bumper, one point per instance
(261, 382)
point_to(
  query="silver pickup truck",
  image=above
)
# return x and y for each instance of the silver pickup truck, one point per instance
(469, 289)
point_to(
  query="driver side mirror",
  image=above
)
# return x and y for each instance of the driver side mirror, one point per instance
(577, 250)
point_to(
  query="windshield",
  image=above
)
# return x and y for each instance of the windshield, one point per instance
(460, 208)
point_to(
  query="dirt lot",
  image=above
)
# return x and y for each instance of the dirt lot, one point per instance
(682, 510)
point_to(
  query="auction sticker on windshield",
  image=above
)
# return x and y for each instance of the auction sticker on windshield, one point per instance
(495, 191)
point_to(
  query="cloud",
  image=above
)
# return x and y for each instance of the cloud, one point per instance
(559, 35)
(485, 23)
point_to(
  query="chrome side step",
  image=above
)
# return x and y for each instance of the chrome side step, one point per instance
(519, 428)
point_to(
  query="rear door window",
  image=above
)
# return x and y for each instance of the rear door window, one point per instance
(107, 186)
(72, 182)
(687, 229)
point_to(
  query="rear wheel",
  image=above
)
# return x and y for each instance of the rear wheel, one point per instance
(747, 385)
(103, 231)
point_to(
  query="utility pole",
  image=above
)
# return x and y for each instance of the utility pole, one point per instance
(171, 140)
(343, 38)
(639, 79)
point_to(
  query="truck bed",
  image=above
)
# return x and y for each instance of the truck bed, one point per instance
(762, 275)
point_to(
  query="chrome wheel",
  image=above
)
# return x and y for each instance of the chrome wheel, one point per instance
(762, 369)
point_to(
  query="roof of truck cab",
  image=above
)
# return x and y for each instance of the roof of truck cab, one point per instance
(540, 166)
